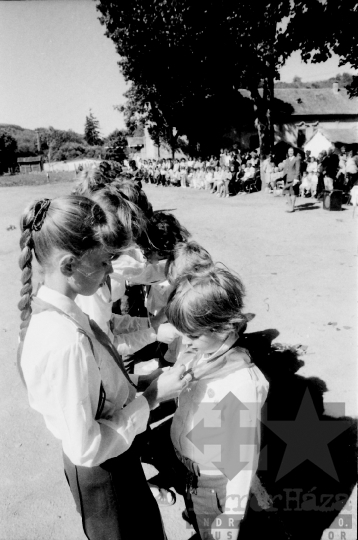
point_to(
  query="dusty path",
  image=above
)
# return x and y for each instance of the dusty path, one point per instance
(300, 273)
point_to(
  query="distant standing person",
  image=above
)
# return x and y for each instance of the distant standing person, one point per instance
(292, 173)
(330, 165)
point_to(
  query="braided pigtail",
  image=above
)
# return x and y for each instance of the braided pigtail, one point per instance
(25, 263)
(25, 260)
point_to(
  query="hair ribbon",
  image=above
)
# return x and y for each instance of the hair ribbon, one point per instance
(40, 215)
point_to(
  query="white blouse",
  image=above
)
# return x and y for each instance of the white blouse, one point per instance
(211, 411)
(63, 377)
(128, 334)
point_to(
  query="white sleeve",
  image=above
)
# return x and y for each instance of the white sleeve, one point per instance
(125, 324)
(134, 341)
(73, 376)
(137, 272)
(150, 274)
(126, 266)
(167, 333)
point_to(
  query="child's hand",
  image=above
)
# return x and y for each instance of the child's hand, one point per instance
(166, 333)
(168, 385)
(153, 375)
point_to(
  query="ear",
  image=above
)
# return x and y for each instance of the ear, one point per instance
(68, 264)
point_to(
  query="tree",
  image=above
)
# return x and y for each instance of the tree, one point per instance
(297, 82)
(116, 146)
(51, 141)
(8, 148)
(92, 131)
(188, 59)
(337, 21)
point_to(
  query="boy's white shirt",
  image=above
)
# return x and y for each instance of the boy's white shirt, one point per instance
(250, 387)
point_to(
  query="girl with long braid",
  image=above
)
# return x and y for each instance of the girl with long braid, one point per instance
(75, 377)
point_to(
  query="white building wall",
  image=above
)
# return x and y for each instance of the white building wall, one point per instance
(59, 166)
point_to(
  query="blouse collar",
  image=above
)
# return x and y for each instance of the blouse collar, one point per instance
(60, 302)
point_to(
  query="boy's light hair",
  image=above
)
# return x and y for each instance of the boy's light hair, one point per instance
(211, 302)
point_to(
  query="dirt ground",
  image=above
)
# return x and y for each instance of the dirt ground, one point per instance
(300, 274)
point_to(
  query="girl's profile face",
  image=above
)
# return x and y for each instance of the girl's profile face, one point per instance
(207, 343)
(92, 271)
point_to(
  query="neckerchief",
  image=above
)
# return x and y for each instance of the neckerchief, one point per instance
(217, 361)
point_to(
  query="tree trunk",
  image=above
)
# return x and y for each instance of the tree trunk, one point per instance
(173, 144)
(264, 121)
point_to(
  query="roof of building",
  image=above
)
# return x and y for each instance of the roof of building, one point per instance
(337, 135)
(315, 101)
(32, 159)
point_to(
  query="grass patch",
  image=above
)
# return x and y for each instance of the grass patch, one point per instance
(36, 179)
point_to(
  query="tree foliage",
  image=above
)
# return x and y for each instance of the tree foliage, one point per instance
(187, 59)
(53, 144)
(116, 146)
(8, 149)
(328, 27)
(92, 130)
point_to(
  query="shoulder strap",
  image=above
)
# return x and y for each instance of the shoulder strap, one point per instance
(102, 392)
(107, 344)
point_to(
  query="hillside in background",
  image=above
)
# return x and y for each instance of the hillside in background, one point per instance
(26, 139)
(56, 145)
(343, 80)
(29, 143)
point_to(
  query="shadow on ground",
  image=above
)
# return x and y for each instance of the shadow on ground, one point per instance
(307, 206)
(307, 466)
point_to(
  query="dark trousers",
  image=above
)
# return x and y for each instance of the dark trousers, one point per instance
(114, 499)
(206, 503)
(162, 180)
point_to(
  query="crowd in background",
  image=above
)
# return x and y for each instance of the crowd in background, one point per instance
(230, 173)
(235, 172)
(332, 169)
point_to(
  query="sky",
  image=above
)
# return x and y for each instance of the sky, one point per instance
(56, 64)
